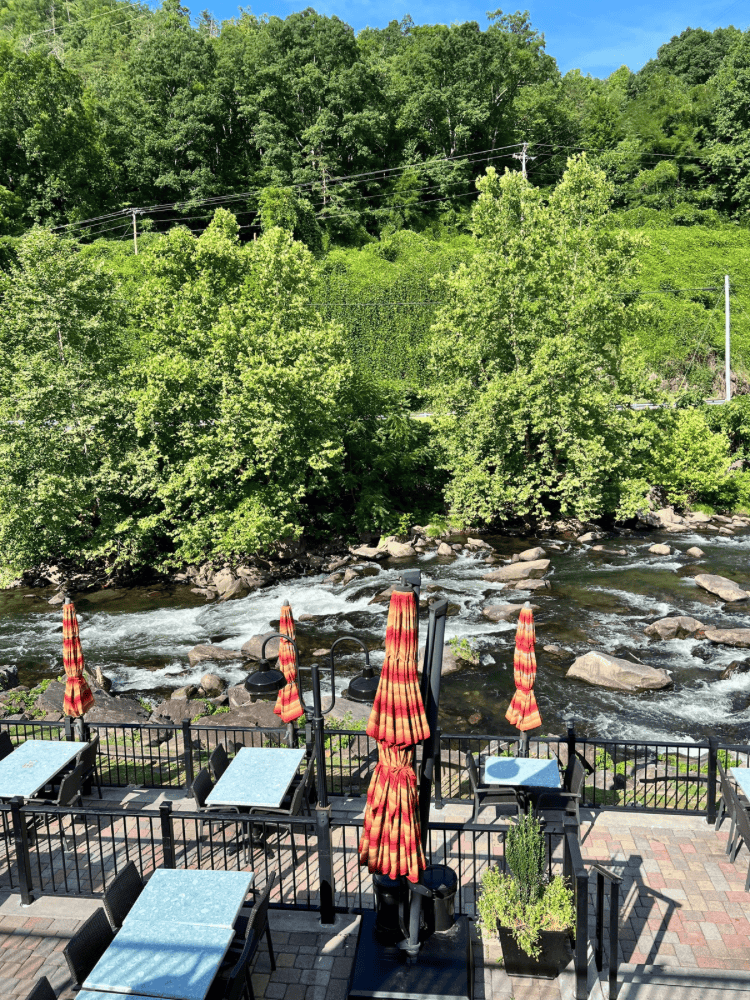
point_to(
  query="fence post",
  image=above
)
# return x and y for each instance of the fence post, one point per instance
(713, 756)
(582, 935)
(614, 942)
(187, 754)
(22, 852)
(571, 740)
(437, 778)
(167, 837)
(599, 921)
(325, 864)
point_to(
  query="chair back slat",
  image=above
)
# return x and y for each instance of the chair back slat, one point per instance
(259, 915)
(6, 747)
(471, 767)
(574, 775)
(70, 786)
(218, 761)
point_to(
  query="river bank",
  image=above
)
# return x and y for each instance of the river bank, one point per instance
(598, 593)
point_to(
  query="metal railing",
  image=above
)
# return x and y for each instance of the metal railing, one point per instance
(614, 882)
(653, 775)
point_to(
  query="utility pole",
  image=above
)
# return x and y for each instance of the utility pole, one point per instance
(727, 342)
(524, 157)
(135, 231)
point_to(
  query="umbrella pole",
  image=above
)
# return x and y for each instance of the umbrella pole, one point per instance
(432, 670)
(524, 748)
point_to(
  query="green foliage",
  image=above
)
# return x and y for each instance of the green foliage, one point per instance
(527, 354)
(522, 900)
(464, 650)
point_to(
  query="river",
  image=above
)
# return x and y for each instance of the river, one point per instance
(141, 637)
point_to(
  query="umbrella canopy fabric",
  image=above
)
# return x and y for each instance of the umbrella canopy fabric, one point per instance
(523, 711)
(391, 843)
(288, 705)
(78, 698)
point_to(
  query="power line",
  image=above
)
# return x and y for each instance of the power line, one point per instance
(121, 5)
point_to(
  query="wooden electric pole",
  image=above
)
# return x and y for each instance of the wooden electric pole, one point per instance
(135, 231)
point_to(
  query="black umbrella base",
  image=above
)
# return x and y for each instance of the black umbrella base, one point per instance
(443, 969)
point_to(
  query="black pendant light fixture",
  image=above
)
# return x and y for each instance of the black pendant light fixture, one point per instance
(267, 681)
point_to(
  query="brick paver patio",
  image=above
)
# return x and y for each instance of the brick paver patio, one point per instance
(684, 928)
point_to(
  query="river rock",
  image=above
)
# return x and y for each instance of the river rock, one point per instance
(505, 612)
(114, 709)
(591, 536)
(392, 547)
(258, 713)
(726, 589)
(217, 653)
(734, 668)
(698, 517)
(660, 550)
(444, 549)
(185, 693)
(477, 543)
(8, 676)
(174, 710)
(530, 585)
(681, 627)
(235, 589)
(519, 571)
(334, 578)
(739, 637)
(252, 577)
(354, 711)
(605, 670)
(532, 555)
(239, 696)
(371, 552)
(451, 663)
(695, 552)
(212, 684)
(252, 648)
(352, 573)
(50, 701)
(57, 599)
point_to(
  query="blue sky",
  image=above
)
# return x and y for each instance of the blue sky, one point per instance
(593, 36)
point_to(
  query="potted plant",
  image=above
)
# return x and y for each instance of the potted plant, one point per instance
(533, 914)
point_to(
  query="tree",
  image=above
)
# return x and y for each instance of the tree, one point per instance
(528, 352)
(729, 151)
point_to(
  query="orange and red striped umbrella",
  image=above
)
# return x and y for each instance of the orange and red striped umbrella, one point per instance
(78, 698)
(523, 711)
(288, 705)
(391, 843)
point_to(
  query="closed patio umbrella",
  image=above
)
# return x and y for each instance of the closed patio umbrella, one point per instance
(78, 698)
(288, 705)
(391, 843)
(523, 711)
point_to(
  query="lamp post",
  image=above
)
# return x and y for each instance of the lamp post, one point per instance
(266, 681)
(364, 687)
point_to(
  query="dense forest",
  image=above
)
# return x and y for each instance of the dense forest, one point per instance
(239, 262)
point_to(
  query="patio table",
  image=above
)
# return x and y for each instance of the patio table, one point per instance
(159, 959)
(33, 765)
(177, 896)
(742, 776)
(257, 777)
(522, 771)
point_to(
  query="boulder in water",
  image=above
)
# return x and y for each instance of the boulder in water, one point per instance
(200, 653)
(681, 627)
(724, 588)
(734, 668)
(530, 585)
(505, 612)
(254, 646)
(533, 570)
(8, 676)
(739, 637)
(212, 684)
(695, 552)
(444, 549)
(531, 555)
(591, 536)
(660, 550)
(605, 670)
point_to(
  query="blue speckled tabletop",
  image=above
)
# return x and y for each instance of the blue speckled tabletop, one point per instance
(174, 961)
(182, 897)
(34, 764)
(99, 995)
(742, 776)
(258, 776)
(521, 771)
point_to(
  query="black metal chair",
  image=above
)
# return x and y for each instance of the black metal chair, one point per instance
(726, 802)
(201, 789)
(42, 990)
(553, 806)
(88, 945)
(88, 757)
(68, 794)
(218, 761)
(233, 987)
(497, 795)
(6, 744)
(248, 933)
(121, 893)
(741, 832)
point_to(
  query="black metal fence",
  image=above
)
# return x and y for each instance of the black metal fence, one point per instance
(653, 775)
